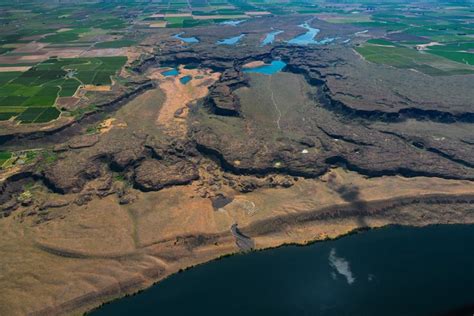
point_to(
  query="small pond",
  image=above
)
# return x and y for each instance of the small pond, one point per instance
(267, 69)
(231, 41)
(188, 40)
(185, 79)
(171, 72)
(270, 37)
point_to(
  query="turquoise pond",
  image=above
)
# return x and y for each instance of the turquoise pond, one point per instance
(393, 271)
(188, 40)
(171, 72)
(270, 37)
(308, 37)
(185, 79)
(267, 69)
(231, 41)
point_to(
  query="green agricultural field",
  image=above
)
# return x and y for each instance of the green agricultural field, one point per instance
(31, 96)
(409, 58)
(381, 41)
(174, 22)
(7, 76)
(115, 44)
(460, 57)
(64, 37)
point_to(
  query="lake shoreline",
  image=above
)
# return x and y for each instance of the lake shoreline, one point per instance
(356, 231)
(342, 236)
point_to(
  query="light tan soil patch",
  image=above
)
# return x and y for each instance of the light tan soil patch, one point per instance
(64, 29)
(173, 113)
(425, 46)
(18, 68)
(105, 52)
(30, 48)
(158, 24)
(254, 64)
(106, 125)
(211, 17)
(177, 15)
(89, 87)
(67, 102)
(257, 13)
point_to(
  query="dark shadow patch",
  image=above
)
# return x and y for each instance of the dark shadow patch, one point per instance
(351, 194)
(220, 200)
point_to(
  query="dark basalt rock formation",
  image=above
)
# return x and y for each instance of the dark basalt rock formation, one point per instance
(356, 120)
(221, 99)
(153, 175)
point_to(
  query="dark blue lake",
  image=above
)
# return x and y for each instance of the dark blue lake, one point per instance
(391, 271)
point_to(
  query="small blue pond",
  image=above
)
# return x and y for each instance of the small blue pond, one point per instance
(232, 22)
(231, 41)
(308, 37)
(189, 40)
(185, 79)
(171, 72)
(270, 37)
(268, 69)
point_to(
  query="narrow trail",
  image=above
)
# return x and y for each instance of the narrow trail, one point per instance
(274, 102)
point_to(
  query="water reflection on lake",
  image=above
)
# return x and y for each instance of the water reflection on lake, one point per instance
(231, 41)
(308, 37)
(189, 40)
(391, 272)
(270, 37)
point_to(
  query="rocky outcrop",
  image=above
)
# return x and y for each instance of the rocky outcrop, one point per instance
(154, 175)
(221, 99)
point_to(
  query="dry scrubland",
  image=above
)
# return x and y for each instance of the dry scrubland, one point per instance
(103, 250)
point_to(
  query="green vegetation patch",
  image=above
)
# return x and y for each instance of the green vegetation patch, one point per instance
(409, 58)
(69, 87)
(5, 116)
(460, 57)
(4, 157)
(174, 22)
(31, 96)
(64, 37)
(381, 41)
(115, 44)
(8, 76)
(30, 115)
(48, 115)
